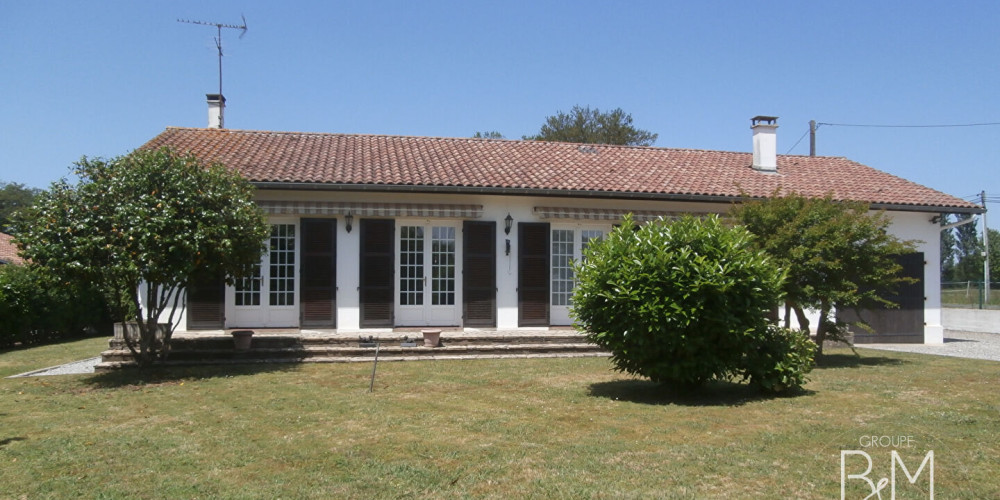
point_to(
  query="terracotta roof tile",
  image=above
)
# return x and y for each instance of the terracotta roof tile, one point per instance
(8, 251)
(545, 167)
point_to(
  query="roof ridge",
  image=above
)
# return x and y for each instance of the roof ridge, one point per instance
(474, 139)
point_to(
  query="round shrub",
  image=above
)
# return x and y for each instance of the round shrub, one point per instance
(779, 359)
(679, 302)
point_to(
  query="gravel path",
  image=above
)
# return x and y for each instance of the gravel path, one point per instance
(74, 368)
(957, 344)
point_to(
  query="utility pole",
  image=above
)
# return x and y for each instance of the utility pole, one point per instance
(812, 137)
(986, 251)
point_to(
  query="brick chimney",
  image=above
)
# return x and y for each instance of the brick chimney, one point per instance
(216, 110)
(765, 143)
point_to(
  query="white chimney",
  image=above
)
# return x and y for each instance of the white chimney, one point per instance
(765, 143)
(216, 110)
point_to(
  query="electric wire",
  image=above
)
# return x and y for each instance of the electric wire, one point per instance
(797, 142)
(951, 125)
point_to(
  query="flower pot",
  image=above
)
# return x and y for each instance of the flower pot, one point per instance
(432, 337)
(242, 339)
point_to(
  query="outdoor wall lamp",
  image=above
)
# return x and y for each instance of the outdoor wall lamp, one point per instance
(507, 222)
(349, 219)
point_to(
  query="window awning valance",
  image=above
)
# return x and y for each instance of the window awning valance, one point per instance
(432, 210)
(608, 214)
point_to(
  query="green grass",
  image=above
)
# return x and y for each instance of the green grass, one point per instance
(547, 428)
(969, 297)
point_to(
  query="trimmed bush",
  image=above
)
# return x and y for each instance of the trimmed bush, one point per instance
(35, 308)
(779, 359)
(684, 302)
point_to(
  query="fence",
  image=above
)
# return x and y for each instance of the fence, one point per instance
(970, 294)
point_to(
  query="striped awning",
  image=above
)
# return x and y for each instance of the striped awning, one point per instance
(432, 210)
(609, 214)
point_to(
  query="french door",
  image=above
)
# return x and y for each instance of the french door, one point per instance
(427, 285)
(270, 298)
(568, 245)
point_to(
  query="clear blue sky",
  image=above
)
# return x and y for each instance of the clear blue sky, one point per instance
(101, 78)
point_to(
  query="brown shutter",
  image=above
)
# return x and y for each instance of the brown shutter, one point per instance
(533, 274)
(904, 324)
(377, 266)
(479, 273)
(206, 299)
(319, 273)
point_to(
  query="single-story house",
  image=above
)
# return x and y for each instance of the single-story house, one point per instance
(379, 231)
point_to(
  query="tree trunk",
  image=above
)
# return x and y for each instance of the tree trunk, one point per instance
(822, 327)
(800, 315)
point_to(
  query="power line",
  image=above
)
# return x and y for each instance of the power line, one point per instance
(986, 124)
(797, 142)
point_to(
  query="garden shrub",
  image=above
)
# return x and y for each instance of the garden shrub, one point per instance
(36, 308)
(685, 302)
(779, 359)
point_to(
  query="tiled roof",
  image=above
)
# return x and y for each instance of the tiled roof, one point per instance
(532, 167)
(8, 252)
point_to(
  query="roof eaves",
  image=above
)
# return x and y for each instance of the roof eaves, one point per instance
(570, 193)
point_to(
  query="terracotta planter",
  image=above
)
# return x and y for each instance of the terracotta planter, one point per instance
(242, 339)
(432, 337)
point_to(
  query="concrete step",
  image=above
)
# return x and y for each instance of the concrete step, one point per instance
(114, 359)
(219, 349)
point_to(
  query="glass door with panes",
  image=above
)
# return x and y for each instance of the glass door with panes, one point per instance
(270, 297)
(427, 286)
(567, 247)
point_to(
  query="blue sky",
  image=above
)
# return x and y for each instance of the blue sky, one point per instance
(101, 78)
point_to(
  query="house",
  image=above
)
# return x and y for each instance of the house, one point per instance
(8, 251)
(377, 232)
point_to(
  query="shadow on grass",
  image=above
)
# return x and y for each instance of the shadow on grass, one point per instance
(129, 377)
(5, 442)
(714, 393)
(854, 361)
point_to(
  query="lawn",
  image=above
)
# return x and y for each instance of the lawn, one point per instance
(541, 428)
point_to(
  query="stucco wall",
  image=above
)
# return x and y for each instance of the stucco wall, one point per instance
(906, 225)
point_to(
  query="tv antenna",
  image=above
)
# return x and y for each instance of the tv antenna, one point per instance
(218, 38)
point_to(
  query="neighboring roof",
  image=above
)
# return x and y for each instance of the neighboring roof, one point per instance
(385, 163)
(8, 251)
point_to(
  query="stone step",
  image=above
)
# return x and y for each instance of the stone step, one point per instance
(114, 359)
(220, 342)
(387, 351)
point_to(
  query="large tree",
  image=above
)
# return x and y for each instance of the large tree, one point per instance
(591, 126)
(948, 251)
(142, 227)
(837, 254)
(13, 197)
(969, 252)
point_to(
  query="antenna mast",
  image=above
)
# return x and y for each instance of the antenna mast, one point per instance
(218, 39)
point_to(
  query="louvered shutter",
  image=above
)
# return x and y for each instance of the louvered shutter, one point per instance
(533, 274)
(206, 304)
(479, 254)
(377, 265)
(319, 273)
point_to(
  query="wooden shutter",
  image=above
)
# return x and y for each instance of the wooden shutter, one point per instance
(206, 299)
(479, 273)
(900, 325)
(319, 273)
(533, 274)
(377, 266)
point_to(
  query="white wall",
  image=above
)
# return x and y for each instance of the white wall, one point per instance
(917, 226)
(905, 225)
